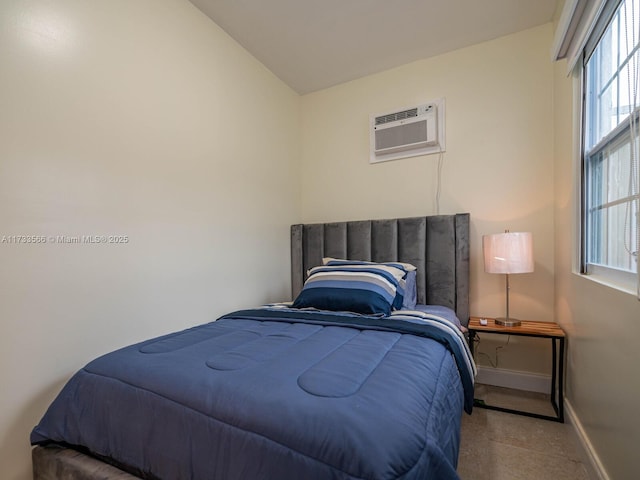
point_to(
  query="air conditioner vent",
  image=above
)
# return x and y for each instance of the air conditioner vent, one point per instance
(407, 132)
(393, 117)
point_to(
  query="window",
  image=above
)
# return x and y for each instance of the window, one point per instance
(610, 170)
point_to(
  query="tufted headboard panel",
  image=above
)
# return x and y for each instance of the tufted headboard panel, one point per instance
(437, 245)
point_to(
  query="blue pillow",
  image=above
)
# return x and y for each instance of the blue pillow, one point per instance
(407, 267)
(407, 295)
(367, 289)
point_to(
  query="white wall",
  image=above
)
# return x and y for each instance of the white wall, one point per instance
(603, 323)
(141, 119)
(130, 118)
(498, 165)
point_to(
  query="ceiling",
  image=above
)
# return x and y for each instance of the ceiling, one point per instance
(312, 45)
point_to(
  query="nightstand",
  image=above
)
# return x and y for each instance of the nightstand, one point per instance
(530, 329)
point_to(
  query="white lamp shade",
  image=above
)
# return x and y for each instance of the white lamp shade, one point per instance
(510, 252)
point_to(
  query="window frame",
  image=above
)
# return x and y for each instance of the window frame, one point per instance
(625, 280)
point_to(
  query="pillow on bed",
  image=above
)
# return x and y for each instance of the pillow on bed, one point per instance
(410, 291)
(407, 267)
(408, 287)
(364, 288)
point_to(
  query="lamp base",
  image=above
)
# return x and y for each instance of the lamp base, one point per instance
(508, 322)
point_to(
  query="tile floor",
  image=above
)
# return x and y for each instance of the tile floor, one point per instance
(502, 446)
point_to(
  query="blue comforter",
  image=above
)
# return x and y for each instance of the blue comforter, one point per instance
(275, 394)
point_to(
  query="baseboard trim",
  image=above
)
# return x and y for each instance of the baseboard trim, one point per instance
(591, 460)
(499, 377)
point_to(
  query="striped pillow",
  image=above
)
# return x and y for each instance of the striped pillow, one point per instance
(407, 267)
(366, 288)
(407, 290)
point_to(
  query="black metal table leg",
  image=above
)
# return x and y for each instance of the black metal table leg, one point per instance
(561, 383)
(554, 369)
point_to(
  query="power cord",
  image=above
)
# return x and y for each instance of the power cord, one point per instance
(439, 179)
(497, 351)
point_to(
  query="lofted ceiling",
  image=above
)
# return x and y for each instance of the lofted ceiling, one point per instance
(312, 45)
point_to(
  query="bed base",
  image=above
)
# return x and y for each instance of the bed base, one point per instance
(59, 463)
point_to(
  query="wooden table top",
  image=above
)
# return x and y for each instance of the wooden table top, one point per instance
(527, 327)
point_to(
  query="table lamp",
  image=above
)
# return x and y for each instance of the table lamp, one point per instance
(508, 252)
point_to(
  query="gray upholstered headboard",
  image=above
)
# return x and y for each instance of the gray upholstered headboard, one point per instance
(437, 245)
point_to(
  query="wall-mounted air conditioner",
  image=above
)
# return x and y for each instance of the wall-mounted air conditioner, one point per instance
(407, 132)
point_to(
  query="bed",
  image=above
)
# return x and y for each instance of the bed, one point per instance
(289, 391)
